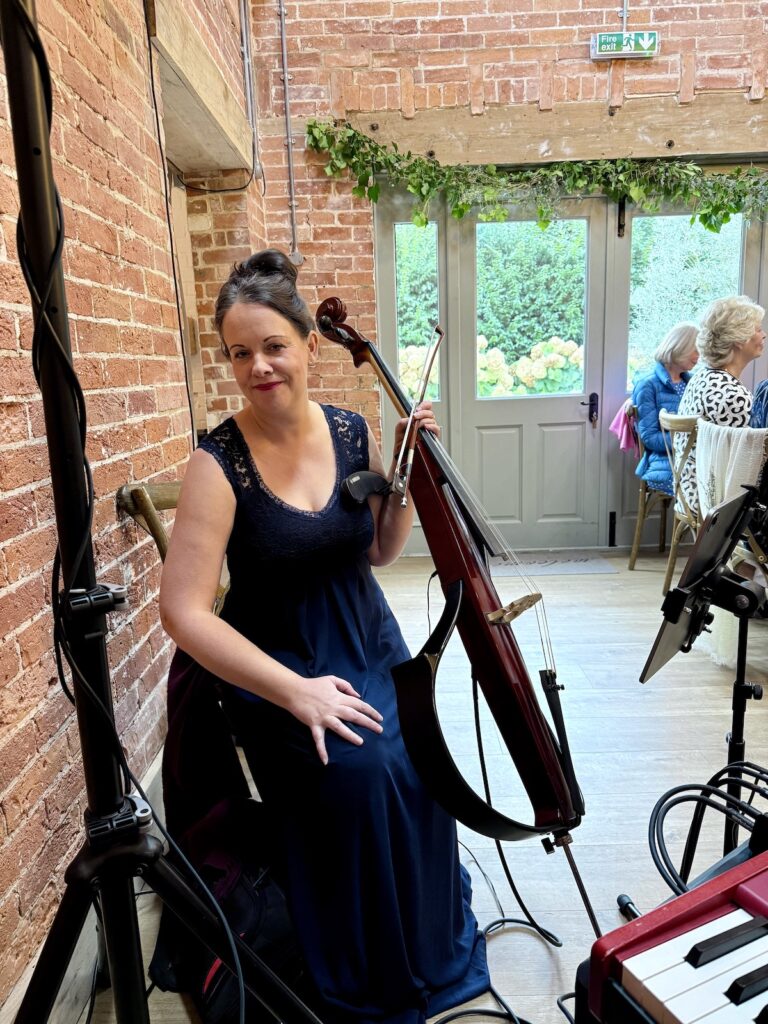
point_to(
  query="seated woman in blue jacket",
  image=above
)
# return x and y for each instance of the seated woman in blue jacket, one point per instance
(675, 357)
(759, 416)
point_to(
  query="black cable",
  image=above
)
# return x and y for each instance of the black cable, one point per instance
(560, 1005)
(505, 1013)
(703, 795)
(486, 878)
(549, 936)
(723, 776)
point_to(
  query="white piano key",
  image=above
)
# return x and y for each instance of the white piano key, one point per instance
(657, 992)
(731, 1014)
(668, 954)
(695, 1003)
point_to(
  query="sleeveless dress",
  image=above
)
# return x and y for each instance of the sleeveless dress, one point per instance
(369, 862)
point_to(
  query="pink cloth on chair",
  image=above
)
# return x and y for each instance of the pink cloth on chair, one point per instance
(623, 428)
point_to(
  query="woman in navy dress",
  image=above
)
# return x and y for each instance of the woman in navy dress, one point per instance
(370, 864)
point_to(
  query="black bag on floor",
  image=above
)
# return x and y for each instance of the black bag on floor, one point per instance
(255, 908)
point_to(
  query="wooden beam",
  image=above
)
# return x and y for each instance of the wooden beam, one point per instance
(713, 125)
(205, 127)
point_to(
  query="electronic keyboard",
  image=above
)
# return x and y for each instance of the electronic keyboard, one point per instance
(701, 957)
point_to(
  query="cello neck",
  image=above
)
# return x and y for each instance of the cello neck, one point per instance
(364, 351)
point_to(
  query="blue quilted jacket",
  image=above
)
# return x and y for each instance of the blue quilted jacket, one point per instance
(651, 394)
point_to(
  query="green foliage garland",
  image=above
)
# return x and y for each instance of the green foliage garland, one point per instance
(712, 198)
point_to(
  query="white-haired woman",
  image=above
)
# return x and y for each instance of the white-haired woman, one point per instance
(663, 388)
(730, 337)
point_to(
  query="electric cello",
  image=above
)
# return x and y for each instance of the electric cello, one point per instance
(462, 543)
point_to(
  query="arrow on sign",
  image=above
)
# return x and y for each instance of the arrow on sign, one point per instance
(646, 40)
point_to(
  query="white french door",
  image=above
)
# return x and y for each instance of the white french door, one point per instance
(545, 328)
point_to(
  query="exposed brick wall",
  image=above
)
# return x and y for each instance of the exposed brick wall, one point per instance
(127, 353)
(224, 230)
(411, 56)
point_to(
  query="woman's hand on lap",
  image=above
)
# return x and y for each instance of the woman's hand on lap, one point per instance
(329, 702)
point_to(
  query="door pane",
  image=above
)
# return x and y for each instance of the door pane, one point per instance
(531, 308)
(418, 304)
(678, 268)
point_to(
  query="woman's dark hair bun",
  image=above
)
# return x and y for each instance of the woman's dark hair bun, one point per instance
(268, 262)
(267, 278)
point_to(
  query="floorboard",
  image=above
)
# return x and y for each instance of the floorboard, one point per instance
(630, 743)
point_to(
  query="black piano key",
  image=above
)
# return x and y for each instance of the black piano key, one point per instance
(762, 1017)
(707, 950)
(748, 985)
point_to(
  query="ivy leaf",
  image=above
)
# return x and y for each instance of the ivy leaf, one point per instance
(636, 194)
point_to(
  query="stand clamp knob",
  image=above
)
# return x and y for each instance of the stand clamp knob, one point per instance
(104, 597)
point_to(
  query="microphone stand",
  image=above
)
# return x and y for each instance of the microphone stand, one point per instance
(116, 847)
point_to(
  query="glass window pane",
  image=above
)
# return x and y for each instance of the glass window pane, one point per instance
(531, 308)
(678, 268)
(418, 305)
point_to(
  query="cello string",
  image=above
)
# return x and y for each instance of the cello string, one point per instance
(506, 551)
(508, 554)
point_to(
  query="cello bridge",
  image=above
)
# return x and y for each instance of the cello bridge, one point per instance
(511, 611)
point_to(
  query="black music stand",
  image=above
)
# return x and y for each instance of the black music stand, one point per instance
(707, 581)
(116, 847)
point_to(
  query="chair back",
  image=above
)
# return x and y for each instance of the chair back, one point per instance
(632, 417)
(672, 423)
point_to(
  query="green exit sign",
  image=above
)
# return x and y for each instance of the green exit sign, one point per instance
(609, 45)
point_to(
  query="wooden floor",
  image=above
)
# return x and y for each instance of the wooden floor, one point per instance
(630, 742)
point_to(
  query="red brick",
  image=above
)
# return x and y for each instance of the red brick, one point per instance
(21, 603)
(55, 851)
(29, 786)
(14, 422)
(22, 849)
(25, 465)
(30, 553)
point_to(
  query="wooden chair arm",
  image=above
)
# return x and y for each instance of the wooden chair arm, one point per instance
(143, 501)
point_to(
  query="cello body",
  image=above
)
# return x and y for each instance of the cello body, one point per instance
(461, 543)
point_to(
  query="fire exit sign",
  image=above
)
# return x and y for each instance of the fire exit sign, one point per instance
(609, 45)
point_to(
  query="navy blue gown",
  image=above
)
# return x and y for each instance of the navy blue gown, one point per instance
(370, 863)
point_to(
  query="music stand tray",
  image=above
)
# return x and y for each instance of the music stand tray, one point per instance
(706, 580)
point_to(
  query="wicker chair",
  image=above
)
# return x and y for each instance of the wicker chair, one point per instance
(649, 498)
